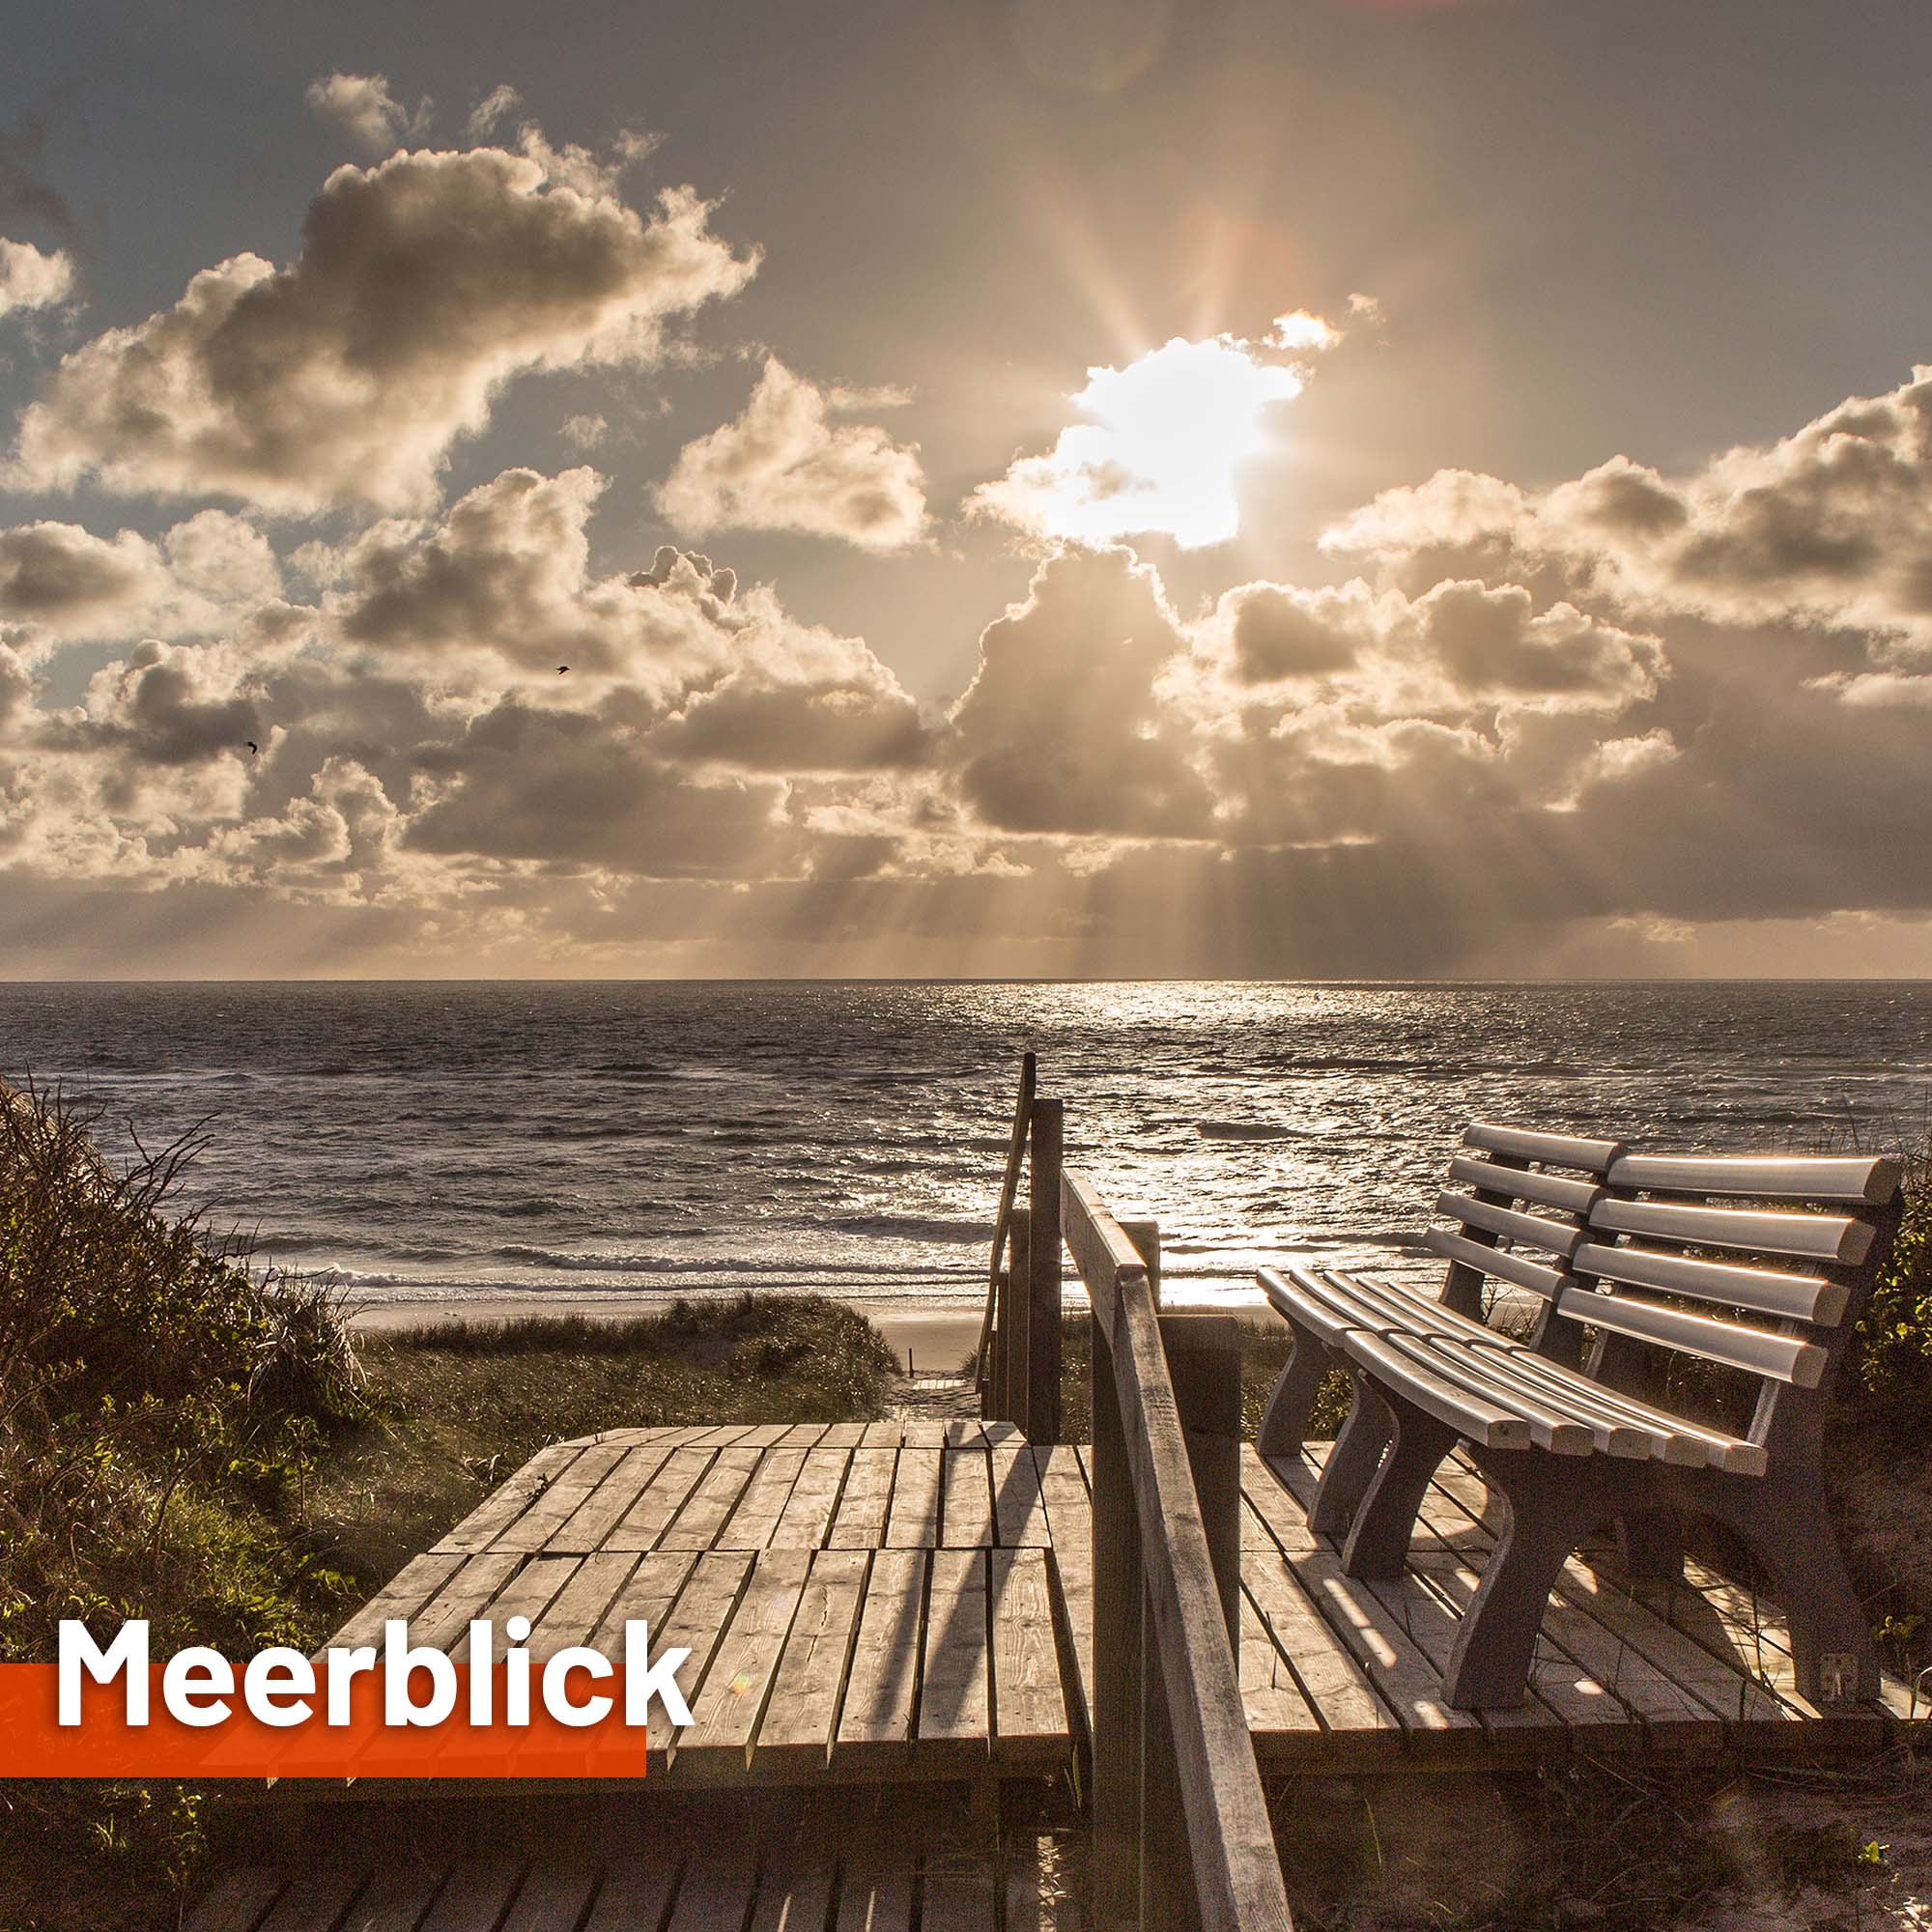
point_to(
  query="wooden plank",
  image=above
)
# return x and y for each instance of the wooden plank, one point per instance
(726, 1712)
(504, 1505)
(610, 1501)
(552, 1898)
(561, 1499)
(1070, 1515)
(396, 1899)
(636, 1893)
(954, 1700)
(914, 1522)
(405, 1594)
(526, 1594)
(695, 1622)
(1556, 1150)
(966, 1499)
(1029, 1708)
(647, 1595)
(237, 1902)
(716, 1892)
(1793, 1297)
(923, 1433)
(844, 1436)
(662, 1496)
(965, 1432)
(807, 1517)
(573, 1614)
(802, 1713)
(316, 1900)
(1818, 1237)
(1865, 1182)
(1403, 1677)
(1019, 1513)
(441, 1623)
(882, 1674)
(696, 1525)
(1335, 1686)
(795, 1890)
(886, 1435)
(861, 1519)
(756, 1515)
(1269, 1693)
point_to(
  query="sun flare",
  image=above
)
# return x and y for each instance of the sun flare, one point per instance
(1163, 442)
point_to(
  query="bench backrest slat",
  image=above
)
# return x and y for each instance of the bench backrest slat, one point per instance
(1501, 1262)
(1867, 1182)
(1785, 1358)
(1526, 1184)
(1556, 1237)
(1790, 1297)
(1819, 1237)
(1551, 1149)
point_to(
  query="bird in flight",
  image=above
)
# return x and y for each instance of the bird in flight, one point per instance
(563, 671)
(254, 750)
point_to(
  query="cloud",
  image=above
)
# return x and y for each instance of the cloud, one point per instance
(498, 104)
(1059, 729)
(784, 464)
(72, 586)
(363, 106)
(1829, 528)
(1163, 446)
(423, 285)
(30, 279)
(583, 433)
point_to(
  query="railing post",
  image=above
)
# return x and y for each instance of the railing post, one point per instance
(1120, 1591)
(1013, 1317)
(1041, 1419)
(1146, 1238)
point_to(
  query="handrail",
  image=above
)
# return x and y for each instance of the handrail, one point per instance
(1009, 1187)
(1201, 1724)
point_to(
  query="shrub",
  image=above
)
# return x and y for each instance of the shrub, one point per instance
(1896, 1365)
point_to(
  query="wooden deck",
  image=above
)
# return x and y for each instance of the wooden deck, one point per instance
(912, 1600)
(820, 1864)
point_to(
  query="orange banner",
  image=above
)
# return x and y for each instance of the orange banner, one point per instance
(34, 1744)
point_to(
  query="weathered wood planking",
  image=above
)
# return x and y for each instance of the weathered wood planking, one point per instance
(892, 1601)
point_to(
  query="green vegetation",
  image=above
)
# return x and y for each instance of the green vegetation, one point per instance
(1896, 1332)
(184, 1441)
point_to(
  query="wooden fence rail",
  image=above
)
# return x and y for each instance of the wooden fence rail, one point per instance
(1180, 1828)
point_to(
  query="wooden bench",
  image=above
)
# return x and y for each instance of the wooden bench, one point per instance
(1776, 1260)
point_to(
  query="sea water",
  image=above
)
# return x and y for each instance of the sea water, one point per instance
(630, 1140)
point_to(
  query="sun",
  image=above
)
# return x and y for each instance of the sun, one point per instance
(1163, 441)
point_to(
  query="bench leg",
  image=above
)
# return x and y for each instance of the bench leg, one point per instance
(1651, 1542)
(1352, 1464)
(1789, 1530)
(1549, 1512)
(1284, 1420)
(1379, 1537)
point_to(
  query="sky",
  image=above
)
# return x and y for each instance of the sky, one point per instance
(1279, 487)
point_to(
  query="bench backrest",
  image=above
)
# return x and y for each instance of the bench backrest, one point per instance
(1777, 1255)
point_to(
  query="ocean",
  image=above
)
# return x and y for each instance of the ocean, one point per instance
(447, 1142)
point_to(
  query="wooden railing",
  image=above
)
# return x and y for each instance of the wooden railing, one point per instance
(1181, 1827)
(1019, 1358)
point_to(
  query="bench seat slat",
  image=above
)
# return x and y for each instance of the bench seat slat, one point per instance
(1791, 1298)
(1672, 1439)
(1471, 1415)
(1491, 1373)
(1516, 1269)
(1867, 1183)
(1781, 1356)
(1557, 1150)
(1301, 1301)
(1817, 1237)
(1557, 1237)
(1390, 1310)
(1526, 1183)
